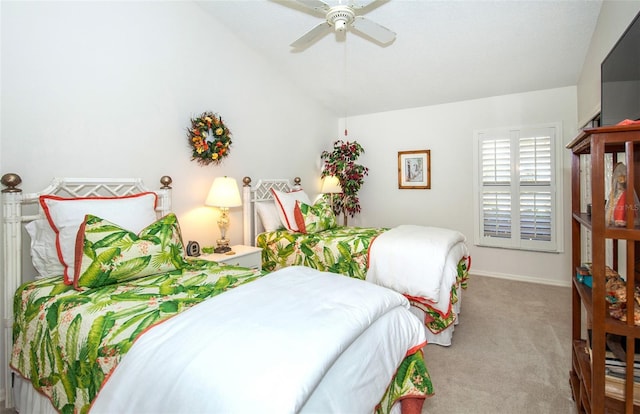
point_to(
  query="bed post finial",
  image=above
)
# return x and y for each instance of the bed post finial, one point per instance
(11, 181)
(247, 212)
(296, 183)
(166, 181)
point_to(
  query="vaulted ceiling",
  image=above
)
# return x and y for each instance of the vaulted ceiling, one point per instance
(444, 51)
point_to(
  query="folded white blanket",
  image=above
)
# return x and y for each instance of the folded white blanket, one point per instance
(263, 347)
(411, 260)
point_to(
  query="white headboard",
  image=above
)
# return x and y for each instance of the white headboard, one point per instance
(260, 193)
(19, 208)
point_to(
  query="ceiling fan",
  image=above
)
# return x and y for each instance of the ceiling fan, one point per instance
(342, 18)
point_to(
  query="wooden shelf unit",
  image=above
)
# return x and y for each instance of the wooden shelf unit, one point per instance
(587, 376)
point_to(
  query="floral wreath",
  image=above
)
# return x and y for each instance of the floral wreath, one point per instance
(209, 138)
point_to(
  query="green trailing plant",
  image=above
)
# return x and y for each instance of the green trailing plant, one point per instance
(341, 163)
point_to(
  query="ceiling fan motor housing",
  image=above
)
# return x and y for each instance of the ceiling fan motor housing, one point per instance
(340, 17)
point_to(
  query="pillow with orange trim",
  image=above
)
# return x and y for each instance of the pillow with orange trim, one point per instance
(107, 254)
(315, 218)
(133, 212)
(286, 204)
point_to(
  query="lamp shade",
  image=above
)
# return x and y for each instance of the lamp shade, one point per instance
(224, 193)
(330, 185)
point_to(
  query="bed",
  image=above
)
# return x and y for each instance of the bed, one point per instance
(429, 265)
(121, 321)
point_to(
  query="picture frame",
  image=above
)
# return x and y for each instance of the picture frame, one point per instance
(414, 169)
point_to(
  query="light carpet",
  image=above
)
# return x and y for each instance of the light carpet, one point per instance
(511, 352)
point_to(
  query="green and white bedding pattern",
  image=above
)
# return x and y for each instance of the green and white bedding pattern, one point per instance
(67, 342)
(341, 250)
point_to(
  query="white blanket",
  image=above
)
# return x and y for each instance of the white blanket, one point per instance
(264, 347)
(411, 260)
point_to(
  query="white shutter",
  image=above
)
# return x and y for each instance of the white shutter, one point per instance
(517, 204)
(536, 213)
(535, 160)
(496, 161)
(496, 182)
(496, 212)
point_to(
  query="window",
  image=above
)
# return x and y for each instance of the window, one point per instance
(517, 203)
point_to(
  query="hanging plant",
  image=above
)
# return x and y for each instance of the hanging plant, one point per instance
(341, 163)
(209, 139)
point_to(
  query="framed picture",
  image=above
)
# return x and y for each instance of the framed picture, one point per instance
(414, 169)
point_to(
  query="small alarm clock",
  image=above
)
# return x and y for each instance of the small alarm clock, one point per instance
(193, 249)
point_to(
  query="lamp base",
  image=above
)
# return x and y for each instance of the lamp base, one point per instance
(222, 246)
(222, 249)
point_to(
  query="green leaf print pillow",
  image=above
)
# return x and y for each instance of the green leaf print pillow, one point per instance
(106, 253)
(315, 218)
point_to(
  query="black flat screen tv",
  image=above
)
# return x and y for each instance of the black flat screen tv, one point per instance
(620, 74)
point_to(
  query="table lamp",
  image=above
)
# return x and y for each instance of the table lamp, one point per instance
(223, 194)
(331, 186)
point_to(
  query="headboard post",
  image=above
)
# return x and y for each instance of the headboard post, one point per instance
(246, 212)
(11, 268)
(261, 192)
(165, 195)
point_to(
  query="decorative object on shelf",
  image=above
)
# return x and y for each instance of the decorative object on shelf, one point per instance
(414, 169)
(617, 203)
(223, 194)
(209, 139)
(340, 163)
(193, 249)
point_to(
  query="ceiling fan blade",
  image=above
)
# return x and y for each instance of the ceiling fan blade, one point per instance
(315, 4)
(312, 35)
(373, 30)
(361, 4)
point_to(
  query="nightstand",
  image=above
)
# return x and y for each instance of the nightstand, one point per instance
(245, 256)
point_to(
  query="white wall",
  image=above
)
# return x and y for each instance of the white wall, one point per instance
(447, 130)
(614, 18)
(108, 89)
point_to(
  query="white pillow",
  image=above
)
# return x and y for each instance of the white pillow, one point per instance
(65, 215)
(286, 204)
(268, 214)
(43, 249)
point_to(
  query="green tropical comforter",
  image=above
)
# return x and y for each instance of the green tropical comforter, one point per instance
(341, 250)
(345, 250)
(67, 342)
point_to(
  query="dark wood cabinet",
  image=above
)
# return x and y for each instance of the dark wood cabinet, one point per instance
(612, 247)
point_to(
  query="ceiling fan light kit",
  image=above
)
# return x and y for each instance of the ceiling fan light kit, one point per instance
(342, 18)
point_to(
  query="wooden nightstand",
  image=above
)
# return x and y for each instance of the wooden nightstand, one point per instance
(245, 256)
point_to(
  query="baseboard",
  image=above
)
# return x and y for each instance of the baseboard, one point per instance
(521, 278)
(2, 397)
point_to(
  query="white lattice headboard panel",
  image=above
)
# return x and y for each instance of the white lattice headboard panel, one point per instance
(260, 193)
(19, 208)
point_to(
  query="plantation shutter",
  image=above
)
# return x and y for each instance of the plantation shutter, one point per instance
(496, 181)
(516, 192)
(535, 191)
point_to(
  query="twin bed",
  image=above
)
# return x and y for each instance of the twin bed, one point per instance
(119, 320)
(428, 265)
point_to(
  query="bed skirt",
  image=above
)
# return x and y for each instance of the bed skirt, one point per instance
(27, 400)
(443, 337)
